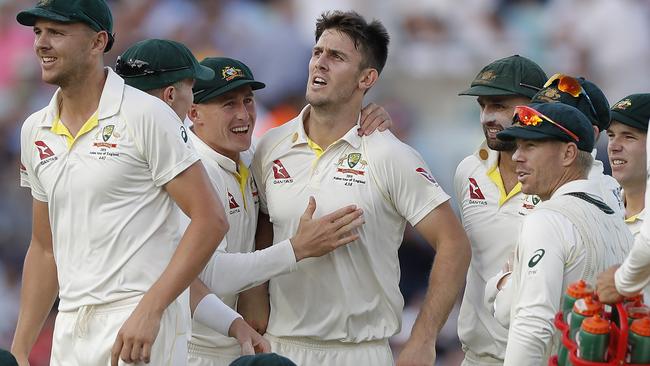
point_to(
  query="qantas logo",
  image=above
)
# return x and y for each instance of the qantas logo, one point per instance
(231, 201)
(474, 190)
(280, 173)
(426, 175)
(43, 150)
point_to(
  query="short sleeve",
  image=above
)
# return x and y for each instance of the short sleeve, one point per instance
(410, 185)
(164, 142)
(28, 176)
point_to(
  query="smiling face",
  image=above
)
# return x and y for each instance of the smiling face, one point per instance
(335, 69)
(538, 166)
(626, 149)
(64, 50)
(496, 115)
(226, 122)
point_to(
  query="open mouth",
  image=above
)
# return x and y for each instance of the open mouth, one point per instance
(318, 81)
(618, 162)
(47, 60)
(242, 130)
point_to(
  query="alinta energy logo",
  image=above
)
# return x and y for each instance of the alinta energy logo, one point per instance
(280, 173)
(475, 194)
(44, 152)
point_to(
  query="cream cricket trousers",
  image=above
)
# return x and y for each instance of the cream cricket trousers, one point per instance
(86, 336)
(309, 352)
(211, 356)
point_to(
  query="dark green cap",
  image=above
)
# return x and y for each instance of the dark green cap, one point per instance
(264, 359)
(564, 115)
(7, 359)
(633, 110)
(94, 13)
(593, 102)
(158, 63)
(229, 74)
(514, 75)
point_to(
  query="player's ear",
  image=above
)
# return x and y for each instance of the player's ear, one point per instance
(194, 114)
(169, 95)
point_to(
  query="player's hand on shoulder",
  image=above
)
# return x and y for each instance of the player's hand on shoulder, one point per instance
(317, 237)
(374, 117)
(136, 337)
(417, 354)
(249, 340)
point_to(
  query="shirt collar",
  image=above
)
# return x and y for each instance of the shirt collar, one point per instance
(299, 135)
(488, 157)
(588, 186)
(109, 103)
(206, 151)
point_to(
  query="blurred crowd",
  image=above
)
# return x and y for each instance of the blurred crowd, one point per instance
(437, 47)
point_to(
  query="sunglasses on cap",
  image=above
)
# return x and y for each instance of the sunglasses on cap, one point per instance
(571, 86)
(528, 116)
(136, 68)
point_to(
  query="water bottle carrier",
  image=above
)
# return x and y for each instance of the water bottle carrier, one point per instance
(618, 338)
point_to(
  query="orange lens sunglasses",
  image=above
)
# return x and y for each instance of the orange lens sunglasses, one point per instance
(530, 117)
(570, 85)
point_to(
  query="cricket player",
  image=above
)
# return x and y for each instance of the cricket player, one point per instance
(223, 117)
(628, 158)
(571, 235)
(164, 68)
(106, 165)
(341, 308)
(492, 205)
(591, 101)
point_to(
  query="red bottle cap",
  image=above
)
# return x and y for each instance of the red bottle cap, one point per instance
(579, 290)
(641, 327)
(587, 306)
(595, 325)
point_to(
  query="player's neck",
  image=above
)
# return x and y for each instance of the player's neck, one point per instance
(507, 170)
(80, 99)
(325, 125)
(634, 199)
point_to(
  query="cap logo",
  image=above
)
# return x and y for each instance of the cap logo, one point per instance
(623, 104)
(44, 3)
(487, 75)
(551, 93)
(228, 73)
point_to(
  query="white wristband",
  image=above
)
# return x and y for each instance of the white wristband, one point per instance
(214, 314)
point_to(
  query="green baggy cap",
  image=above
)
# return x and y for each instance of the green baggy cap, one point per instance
(229, 74)
(633, 110)
(514, 75)
(564, 115)
(94, 13)
(158, 63)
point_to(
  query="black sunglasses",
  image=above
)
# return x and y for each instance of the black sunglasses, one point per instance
(135, 68)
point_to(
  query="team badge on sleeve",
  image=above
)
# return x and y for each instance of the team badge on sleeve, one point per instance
(423, 172)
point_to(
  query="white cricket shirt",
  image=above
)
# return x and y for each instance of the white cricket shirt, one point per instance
(352, 293)
(114, 228)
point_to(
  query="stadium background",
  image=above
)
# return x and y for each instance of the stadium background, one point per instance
(437, 47)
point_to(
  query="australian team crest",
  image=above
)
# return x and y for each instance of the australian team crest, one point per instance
(488, 75)
(623, 104)
(550, 95)
(107, 132)
(353, 160)
(228, 73)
